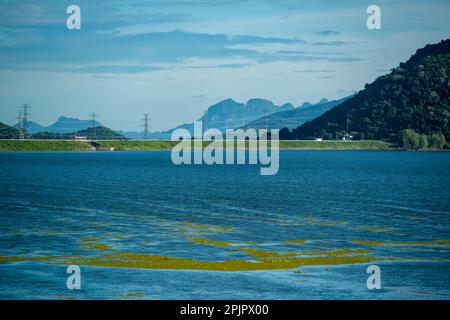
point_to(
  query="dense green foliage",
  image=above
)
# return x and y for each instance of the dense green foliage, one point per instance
(7, 132)
(411, 140)
(413, 96)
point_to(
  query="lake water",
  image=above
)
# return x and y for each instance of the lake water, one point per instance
(140, 227)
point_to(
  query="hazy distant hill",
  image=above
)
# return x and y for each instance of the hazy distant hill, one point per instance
(133, 135)
(31, 127)
(293, 118)
(231, 114)
(7, 132)
(98, 133)
(414, 95)
(62, 125)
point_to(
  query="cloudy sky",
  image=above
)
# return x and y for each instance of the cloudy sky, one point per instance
(174, 58)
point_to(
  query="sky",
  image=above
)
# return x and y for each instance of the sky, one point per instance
(174, 58)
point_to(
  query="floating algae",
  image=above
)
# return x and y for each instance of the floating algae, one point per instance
(151, 261)
(258, 253)
(135, 294)
(98, 246)
(256, 258)
(261, 259)
(90, 243)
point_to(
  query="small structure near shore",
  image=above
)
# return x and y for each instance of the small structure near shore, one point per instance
(80, 138)
(99, 147)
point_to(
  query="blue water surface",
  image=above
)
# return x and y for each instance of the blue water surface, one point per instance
(395, 204)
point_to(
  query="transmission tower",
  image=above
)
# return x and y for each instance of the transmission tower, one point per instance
(20, 123)
(94, 123)
(25, 115)
(146, 126)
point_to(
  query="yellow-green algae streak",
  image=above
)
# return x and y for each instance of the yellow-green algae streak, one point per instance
(105, 255)
(261, 259)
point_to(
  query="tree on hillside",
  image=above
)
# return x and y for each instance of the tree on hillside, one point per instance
(437, 141)
(409, 139)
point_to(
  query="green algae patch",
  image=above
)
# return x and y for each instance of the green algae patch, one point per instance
(90, 243)
(151, 261)
(249, 258)
(251, 252)
(204, 241)
(135, 294)
(98, 246)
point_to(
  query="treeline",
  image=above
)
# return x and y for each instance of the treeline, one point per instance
(411, 140)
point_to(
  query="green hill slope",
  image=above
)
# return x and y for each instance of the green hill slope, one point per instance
(7, 132)
(413, 96)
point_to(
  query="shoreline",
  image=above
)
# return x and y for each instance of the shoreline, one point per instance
(167, 145)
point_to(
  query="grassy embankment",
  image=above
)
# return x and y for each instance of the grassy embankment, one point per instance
(304, 144)
(44, 145)
(133, 145)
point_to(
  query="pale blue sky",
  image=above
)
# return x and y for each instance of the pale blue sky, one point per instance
(174, 58)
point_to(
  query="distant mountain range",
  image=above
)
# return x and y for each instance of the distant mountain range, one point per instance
(415, 95)
(229, 114)
(293, 118)
(62, 125)
(99, 133)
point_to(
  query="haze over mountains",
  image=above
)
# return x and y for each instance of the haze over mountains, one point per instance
(293, 118)
(229, 114)
(62, 125)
